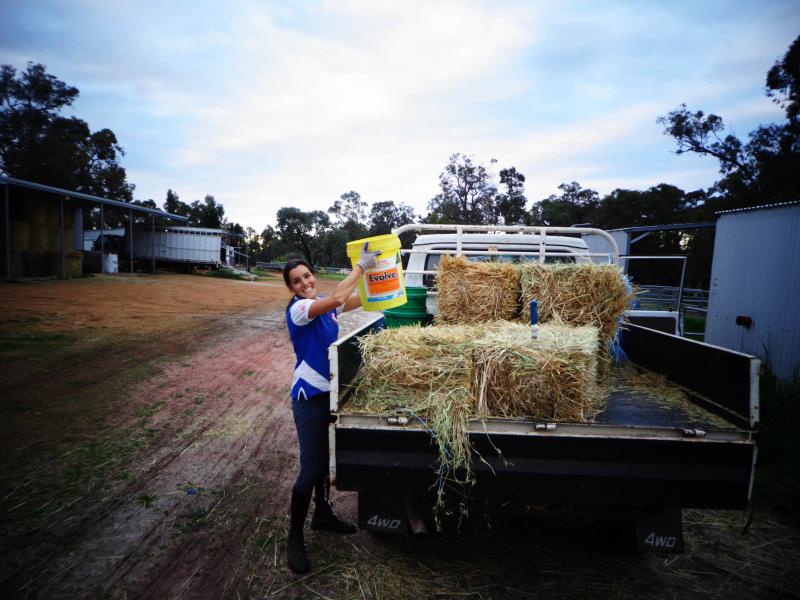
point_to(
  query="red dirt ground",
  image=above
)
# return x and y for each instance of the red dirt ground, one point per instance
(218, 407)
(149, 452)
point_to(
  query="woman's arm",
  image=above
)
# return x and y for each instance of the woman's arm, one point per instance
(339, 296)
(352, 302)
(343, 292)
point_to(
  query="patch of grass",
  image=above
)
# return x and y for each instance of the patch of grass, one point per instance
(147, 500)
(148, 410)
(21, 345)
(777, 483)
(68, 455)
(330, 276)
(190, 487)
(125, 476)
(226, 274)
(192, 520)
(694, 324)
(261, 273)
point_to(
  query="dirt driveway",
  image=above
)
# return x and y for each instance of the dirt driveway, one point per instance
(148, 451)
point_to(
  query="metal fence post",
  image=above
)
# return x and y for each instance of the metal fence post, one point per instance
(130, 240)
(153, 242)
(63, 269)
(102, 241)
(7, 249)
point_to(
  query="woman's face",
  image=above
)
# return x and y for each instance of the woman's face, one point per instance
(302, 282)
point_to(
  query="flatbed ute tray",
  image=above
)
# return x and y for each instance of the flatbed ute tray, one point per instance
(640, 451)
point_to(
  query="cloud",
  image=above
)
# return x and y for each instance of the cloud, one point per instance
(367, 91)
(266, 104)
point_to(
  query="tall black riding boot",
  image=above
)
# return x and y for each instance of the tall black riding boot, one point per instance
(295, 545)
(323, 517)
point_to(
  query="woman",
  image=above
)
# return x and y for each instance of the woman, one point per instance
(312, 325)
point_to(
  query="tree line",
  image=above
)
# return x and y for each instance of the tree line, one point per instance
(37, 143)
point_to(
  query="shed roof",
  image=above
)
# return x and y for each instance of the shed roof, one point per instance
(760, 207)
(80, 195)
(668, 227)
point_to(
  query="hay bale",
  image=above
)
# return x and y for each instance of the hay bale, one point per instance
(20, 235)
(38, 237)
(577, 294)
(52, 262)
(491, 369)
(402, 365)
(552, 378)
(74, 263)
(425, 372)
(53, 237)
(476, 292)
(36, 210)
(450, 373)
(17, 263)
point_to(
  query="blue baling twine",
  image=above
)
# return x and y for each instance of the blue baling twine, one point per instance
(617, 352)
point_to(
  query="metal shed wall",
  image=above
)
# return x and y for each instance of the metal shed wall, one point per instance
(756, 273)
(180, 244)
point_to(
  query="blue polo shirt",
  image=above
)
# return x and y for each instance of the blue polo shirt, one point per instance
(311, 338)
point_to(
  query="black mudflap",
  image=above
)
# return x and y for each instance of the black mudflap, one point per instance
(383, 514)
(659, 530)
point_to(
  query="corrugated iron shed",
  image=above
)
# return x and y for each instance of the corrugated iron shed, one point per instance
(51, 236)
(755, 285)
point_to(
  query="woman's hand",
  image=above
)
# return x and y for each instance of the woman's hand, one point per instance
(368, 260)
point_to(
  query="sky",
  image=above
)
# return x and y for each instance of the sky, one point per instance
(265, 104)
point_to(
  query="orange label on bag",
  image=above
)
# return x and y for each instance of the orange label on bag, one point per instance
(383, 282)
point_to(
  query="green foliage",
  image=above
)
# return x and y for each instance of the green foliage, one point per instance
(350, 214)
(765, 169)
(207, 213)
(225, 274)
(333, 246)
(510, 205)
(150, 203)
(629, 208)
(303, 231)
(14, 345)
(573, 206)
(330, 276)
(38, 144)
(783, 82)
(385, 216)
(146, 500)
(694, 325)
(777, 481)
(467, 194)
(173, 205)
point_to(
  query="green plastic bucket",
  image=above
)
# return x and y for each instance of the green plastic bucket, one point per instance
(405, 315)
(416, 297)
